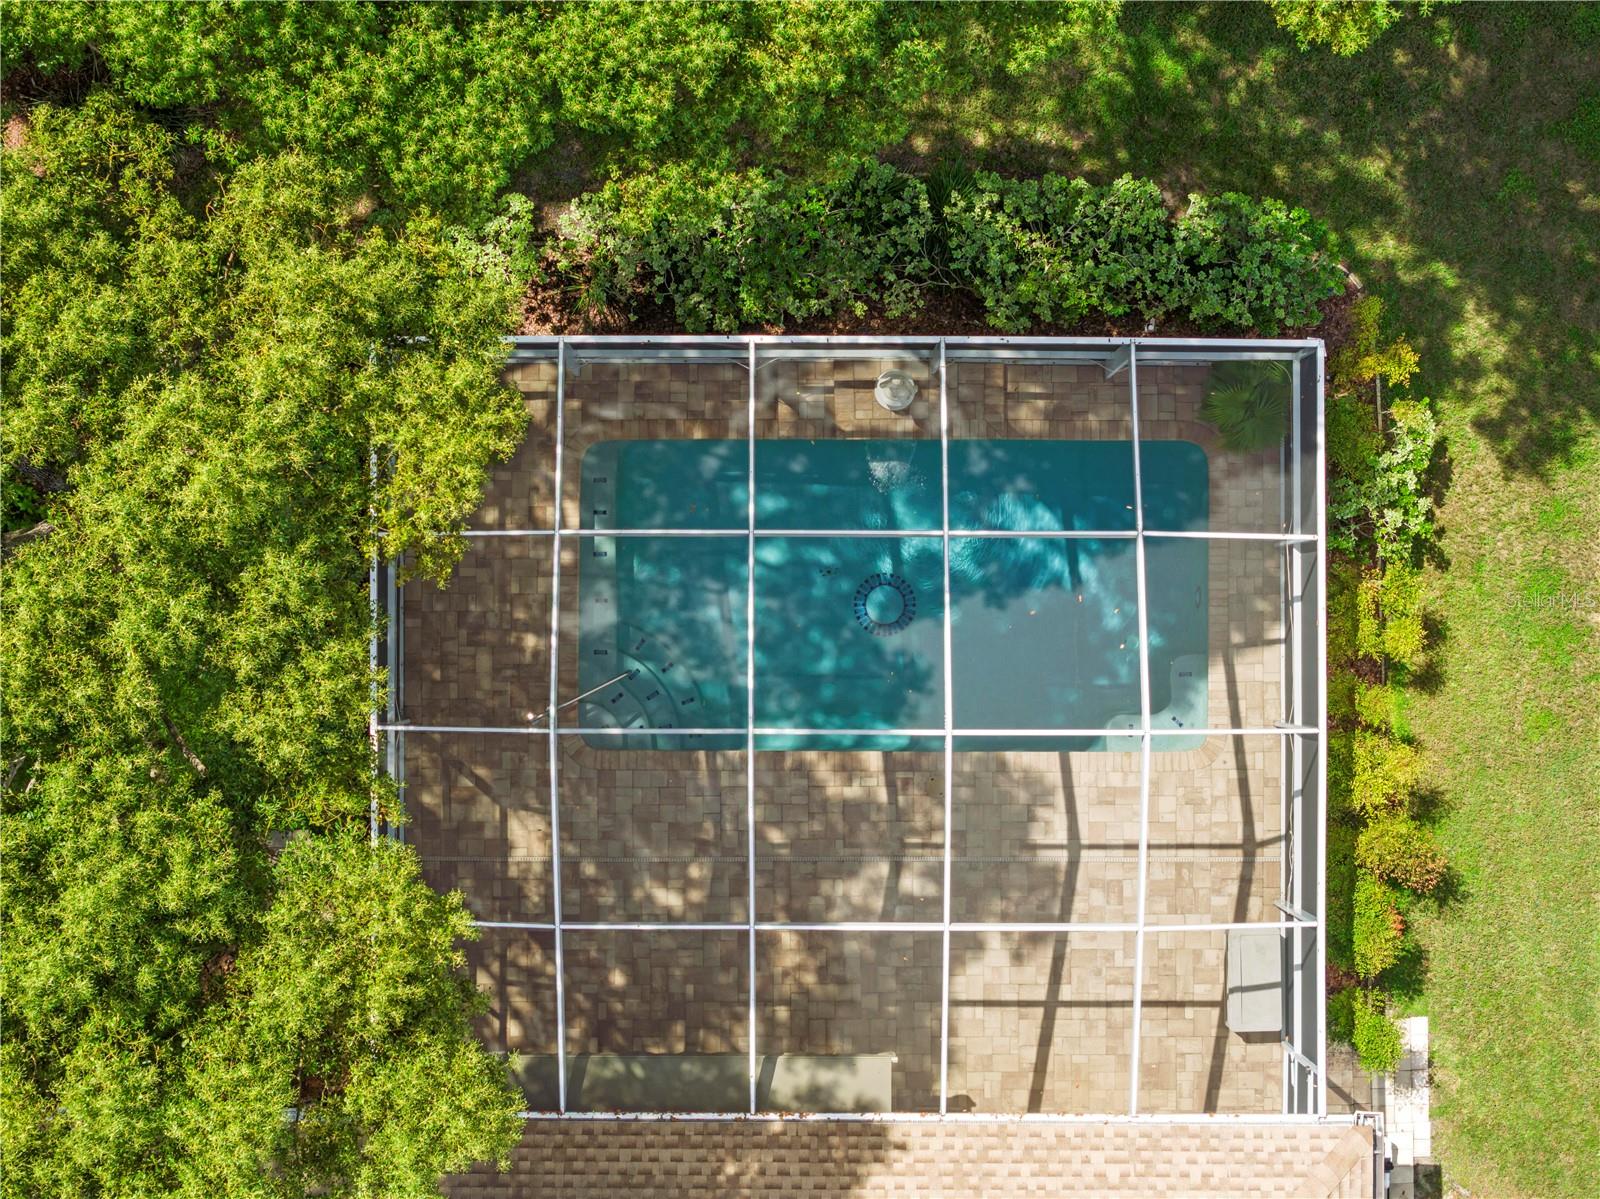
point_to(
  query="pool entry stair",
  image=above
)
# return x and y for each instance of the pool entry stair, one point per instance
(655, 691)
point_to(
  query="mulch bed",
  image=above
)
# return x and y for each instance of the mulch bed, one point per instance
(548, 308)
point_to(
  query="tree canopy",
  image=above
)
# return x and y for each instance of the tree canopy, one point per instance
(441, 105)
(205, 370)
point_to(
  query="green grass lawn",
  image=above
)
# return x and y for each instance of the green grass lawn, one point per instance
(1459, 161)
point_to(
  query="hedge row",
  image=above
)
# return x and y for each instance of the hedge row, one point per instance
(1383, 860)
(763, 250)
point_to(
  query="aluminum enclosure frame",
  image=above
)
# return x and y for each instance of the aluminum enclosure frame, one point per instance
(1300, 729)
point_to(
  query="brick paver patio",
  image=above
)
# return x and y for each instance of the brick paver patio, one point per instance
(1039, 1022)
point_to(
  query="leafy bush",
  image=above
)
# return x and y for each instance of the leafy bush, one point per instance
(1377, 485)
(1402, 513)
(1380, 706)
(1254, 264)
(1344, 613)
(756, 250)
(752, 248)
(1342, 690)
(1405, 634)
(1363, 359)
(728, 249)
(1053, 250)
(1344, 26)
(1341, 884)
(1376, 1035)
(1353, 441)
(507, 247)
(1396, 849)
(1390, 620)
(1341, 775)
(1384, 497)
(1248, 402)
(1342, 1016)
(1384, 772)
(1369, 619)
(1378, 929)
(736, 250)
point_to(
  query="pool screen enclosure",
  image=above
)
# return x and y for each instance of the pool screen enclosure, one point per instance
(885, 728)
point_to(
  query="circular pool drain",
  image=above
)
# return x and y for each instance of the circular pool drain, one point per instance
(884, 604)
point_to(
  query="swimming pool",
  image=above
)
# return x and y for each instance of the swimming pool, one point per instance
(849, 630)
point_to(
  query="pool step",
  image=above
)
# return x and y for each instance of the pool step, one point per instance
(659, 692)
(1186, 710)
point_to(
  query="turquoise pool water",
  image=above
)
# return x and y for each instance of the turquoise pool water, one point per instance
(849, 630)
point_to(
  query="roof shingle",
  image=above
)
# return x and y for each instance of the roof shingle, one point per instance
(754, 1158)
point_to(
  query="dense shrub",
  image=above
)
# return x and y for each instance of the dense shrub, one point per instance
(1053, 250)
(187, 673)
(1396, 849)
(1375, 1034)
(1342, 1016)
(1344, 641)
(1364, 358)
(758, 250)
(726, 251)
(1384, 772)
(1377, 494)
(1342, 691)
(1254, 264)
(1378, 928)
(1351, 427)
(722, 86)
(1369, 619)
(442, 104)
(352, 1001)
(1402, 512)
(1341, 884)
(1377, 486)
(430, 104)
(508, 246)
(1341, 775)
(1380, 706)
(1378, 515)
(1390, 616)
(1583, 129)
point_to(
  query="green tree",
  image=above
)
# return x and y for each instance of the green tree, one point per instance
(1344, 26)
(430, 104)
(444, 104)
(208, 367)
(349, 1011)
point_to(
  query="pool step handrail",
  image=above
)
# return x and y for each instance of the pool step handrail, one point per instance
(578, 699)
